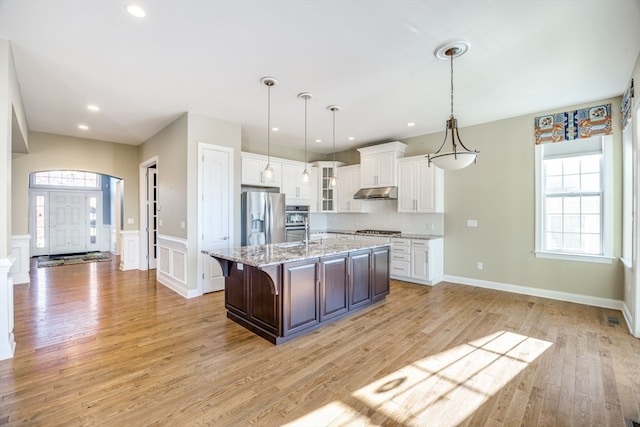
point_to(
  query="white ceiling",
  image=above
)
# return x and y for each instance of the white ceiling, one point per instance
(374, 58)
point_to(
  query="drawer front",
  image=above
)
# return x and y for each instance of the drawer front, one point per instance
(420, 244)
(400, 257)
(400, 241)
(400, 268)
(400, 249)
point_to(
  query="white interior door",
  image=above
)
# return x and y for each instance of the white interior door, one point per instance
(67, 222)
(216, 202)
(152, 217)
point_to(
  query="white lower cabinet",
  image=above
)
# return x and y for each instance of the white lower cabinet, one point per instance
(417, 260)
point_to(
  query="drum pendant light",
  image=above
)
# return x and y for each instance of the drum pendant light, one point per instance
(269, 82)
(334, 178)
(456, 158)
(306, 96)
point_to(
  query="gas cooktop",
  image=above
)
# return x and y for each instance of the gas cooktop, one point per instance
(379, 232)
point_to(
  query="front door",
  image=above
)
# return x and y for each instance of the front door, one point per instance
(216, 199)
(67, 222)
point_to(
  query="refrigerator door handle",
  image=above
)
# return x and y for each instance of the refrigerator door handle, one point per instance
(267, 219)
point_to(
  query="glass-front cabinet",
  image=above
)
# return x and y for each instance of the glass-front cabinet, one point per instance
(327, 194)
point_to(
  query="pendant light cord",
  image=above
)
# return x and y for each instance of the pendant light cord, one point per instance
(306, 98)
(451, 85)
(269, 124)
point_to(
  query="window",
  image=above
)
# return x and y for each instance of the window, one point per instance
(69, 179)
(573, 200)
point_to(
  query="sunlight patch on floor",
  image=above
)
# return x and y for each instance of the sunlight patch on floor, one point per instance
(443, 389)
(446, 388)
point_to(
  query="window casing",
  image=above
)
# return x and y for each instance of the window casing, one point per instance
(574, 200)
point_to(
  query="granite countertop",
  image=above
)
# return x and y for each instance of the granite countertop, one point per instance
(279, 253)
(404, 235)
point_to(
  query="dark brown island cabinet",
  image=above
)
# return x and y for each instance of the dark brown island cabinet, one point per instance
(282, 301)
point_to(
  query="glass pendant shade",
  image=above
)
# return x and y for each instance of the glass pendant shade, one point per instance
(305, 175)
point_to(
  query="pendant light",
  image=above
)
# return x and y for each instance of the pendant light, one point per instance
(306, 96)
(269, 82)
(456, 158)
(334, 178)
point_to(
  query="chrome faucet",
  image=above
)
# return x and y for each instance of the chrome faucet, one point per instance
(306, 230)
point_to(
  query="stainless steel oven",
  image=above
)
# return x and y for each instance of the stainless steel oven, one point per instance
(296, 218)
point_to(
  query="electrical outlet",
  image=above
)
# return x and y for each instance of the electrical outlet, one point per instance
(472, 223)
(480, 266)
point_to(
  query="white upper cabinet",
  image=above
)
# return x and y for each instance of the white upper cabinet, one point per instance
(297, 191)
(420, 186)
(378, 164)
(348, 185)
(253, 170)
(327, 194)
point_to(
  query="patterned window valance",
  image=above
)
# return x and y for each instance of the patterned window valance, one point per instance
(570, 125)
(626, 105)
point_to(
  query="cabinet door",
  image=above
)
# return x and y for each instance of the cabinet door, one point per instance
(327, 201)
(293, 186)
(380, 273)
(348, 185)
(359, 279)
(253, 171)
(300, 296)
(426, 189)
(369, 171)
(252, 168)
(419, 262)
(407, 184)
(334, 289)
(386, 169)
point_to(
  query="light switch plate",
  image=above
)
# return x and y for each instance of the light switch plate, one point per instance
(472, 223)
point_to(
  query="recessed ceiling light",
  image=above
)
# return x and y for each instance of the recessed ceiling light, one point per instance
(136, 11)
(351, 138)
(275, 129)
(318, 140)
(410, 124)
(93, 107)
(83, 127)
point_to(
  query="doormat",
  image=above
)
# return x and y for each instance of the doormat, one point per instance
(68, 259)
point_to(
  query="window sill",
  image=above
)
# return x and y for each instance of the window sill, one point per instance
(598, 259)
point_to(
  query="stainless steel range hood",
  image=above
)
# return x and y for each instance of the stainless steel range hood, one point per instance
(378, 193)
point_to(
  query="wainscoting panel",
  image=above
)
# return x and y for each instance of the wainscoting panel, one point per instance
(129, 259)
(7, 339)
(22, 266)
(172, 264)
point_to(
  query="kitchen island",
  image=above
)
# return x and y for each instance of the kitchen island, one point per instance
(281, 291)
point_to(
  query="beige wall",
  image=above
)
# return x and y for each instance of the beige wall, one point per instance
(498, 192)
(54, 152)
(207, 130)
(13, 137)
(169, 145)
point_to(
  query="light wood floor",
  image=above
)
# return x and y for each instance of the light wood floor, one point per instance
(97, 346)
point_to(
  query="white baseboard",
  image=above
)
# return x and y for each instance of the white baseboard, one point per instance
(537, 292)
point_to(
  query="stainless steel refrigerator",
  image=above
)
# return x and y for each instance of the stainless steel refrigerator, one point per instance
(263, 218)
